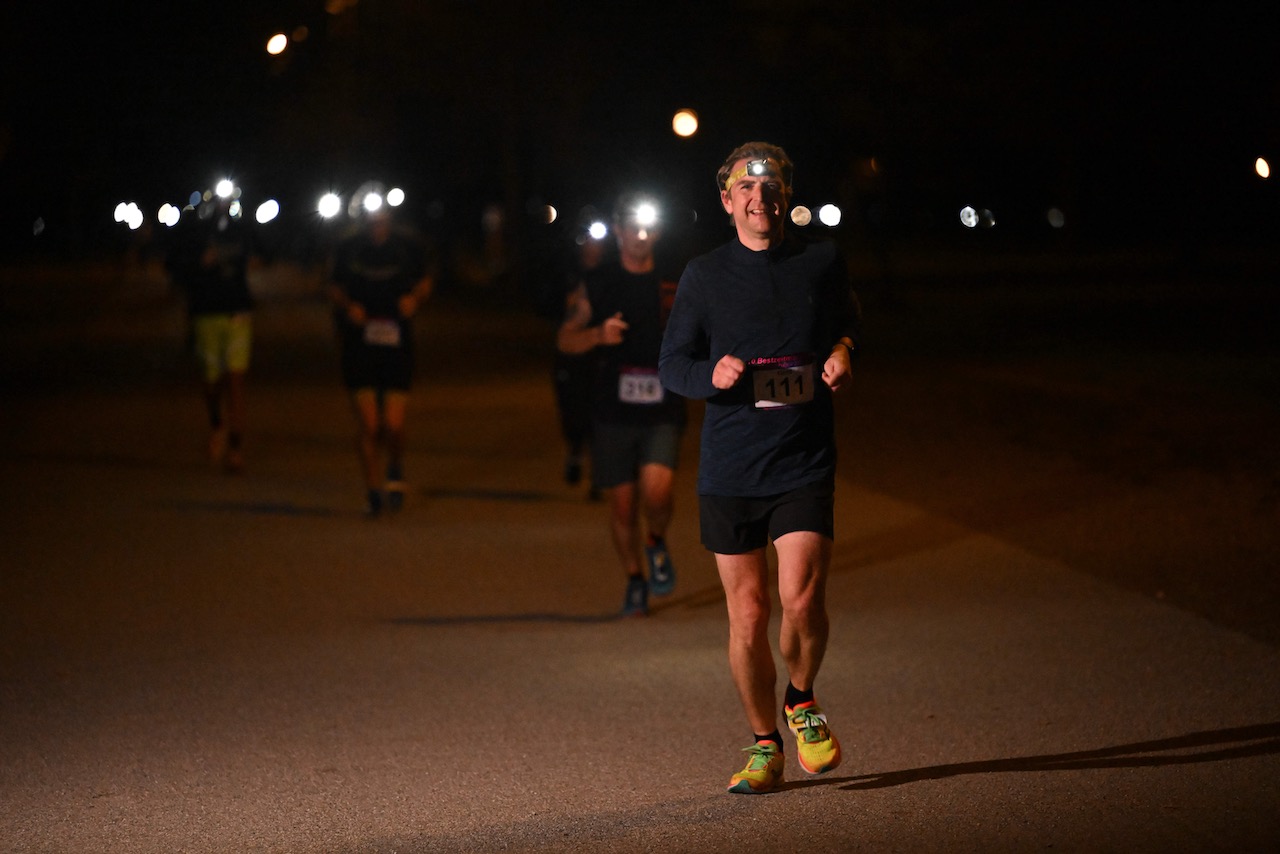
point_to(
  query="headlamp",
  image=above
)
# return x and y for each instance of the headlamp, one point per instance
(754, 169)
(644, 214)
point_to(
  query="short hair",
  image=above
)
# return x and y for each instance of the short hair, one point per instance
(755, 151)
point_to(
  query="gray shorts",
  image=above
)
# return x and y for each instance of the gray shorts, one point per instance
(619, 450)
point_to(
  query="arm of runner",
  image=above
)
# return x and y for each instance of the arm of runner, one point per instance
(575, 336)
(421, 290)
(837, 371)
(727, 372)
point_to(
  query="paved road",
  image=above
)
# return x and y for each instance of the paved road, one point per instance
(1054, 617)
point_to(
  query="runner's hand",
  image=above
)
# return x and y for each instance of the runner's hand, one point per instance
(837, 371)
(727, 372)
(611, 331)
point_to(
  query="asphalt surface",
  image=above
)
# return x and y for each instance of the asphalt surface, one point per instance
(1052, 594)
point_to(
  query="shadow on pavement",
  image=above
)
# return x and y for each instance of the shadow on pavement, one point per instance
(1221, 744)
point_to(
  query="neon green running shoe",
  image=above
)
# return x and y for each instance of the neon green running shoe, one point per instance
(816, 747)
(763, 772)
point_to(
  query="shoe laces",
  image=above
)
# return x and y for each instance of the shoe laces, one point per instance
(761, 754)
(809, 723)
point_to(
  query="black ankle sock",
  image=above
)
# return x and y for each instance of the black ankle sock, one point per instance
(775, 737)
(795, 696)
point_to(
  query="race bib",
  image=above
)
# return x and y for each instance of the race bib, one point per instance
(782, 381)
(639, 385)
(382, 332)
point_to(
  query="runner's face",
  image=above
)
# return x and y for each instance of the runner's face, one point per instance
(757, 205)
(636, 241)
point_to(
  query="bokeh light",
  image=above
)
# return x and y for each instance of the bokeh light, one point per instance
(829, 215)
(1262, 167)
(267, 211)
(169, 215)
(395, 197)
(329, 206)
(801, 215)
(685, 123)
(277, 43)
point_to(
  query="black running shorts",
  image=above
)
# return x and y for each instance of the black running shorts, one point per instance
(739, 525)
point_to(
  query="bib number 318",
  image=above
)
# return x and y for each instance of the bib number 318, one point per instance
(639, 385)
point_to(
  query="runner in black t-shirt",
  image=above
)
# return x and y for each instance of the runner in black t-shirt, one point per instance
(619, 311)
(379, 278)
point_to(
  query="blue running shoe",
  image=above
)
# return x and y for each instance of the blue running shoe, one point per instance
(637, 602)
(395, 495)
(662, 575)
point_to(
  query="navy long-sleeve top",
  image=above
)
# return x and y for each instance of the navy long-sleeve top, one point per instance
(779, 310)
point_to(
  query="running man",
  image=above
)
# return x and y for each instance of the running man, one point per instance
(380, 277)
(764, 329)
(619, 311)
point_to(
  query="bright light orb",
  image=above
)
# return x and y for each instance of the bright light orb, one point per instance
(801, 215)
(597, 230)
(968, 217)
(1262, 167)
(267, 211)
(225, 188)
(395, 197)
(277, 43)
(169, 215)
(646, 214)
(130, 214)
(829, 215)
(330, 205)
(372, 202)
(685, 123)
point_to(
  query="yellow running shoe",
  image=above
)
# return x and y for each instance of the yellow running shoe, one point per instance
(763, 772)
(816, 747)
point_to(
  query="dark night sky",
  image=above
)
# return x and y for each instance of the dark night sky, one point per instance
(1133, 117)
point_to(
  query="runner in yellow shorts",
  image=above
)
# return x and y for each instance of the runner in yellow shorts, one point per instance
(209, 262)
